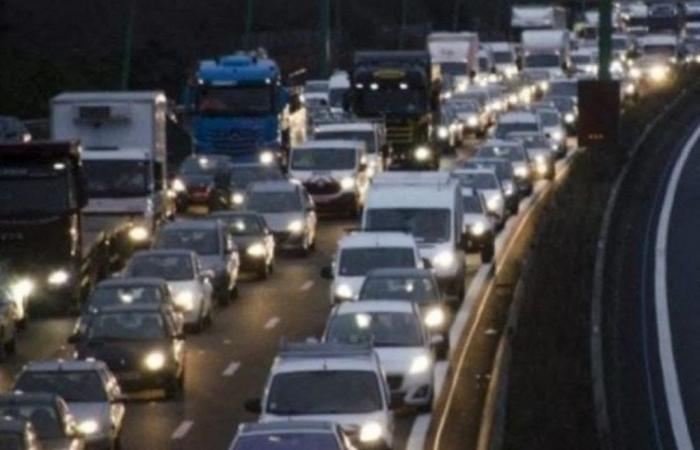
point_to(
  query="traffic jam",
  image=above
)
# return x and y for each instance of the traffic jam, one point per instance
(391, 181)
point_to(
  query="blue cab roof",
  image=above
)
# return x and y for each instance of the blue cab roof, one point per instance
(238, 69)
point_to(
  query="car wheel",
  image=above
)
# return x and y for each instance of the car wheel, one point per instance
(487, 253)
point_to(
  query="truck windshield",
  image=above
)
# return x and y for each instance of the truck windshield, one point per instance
(393, 101)
(503, 57)
(110, 178)
(28, 189)
(565, 89)
(542, 60)
(454, 69)
(324, 159)
(235, 101)
(427, 225)
(660, 50)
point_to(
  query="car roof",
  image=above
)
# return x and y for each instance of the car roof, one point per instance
(235, 213)
(132, 281)
(375, 306)
(126, 308)
(164, 252)
(273, 186)
(414, 197)
(366, 239)
(325, 356)
(500, 143)
(286, 427)
(400, 272)
(344, 126)
(330, 143)
(193, 224)
(475, 171)
(519, 116)
(68, 365)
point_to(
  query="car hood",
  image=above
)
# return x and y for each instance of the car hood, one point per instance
(99, 412)
(192, 180)
(212, 262)
(350, 423)
(279, 221)
(428, 251)
(311, 176)
(398, 360)
(472, 218)
(242, 242)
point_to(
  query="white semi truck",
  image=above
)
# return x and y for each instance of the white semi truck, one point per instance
(545, 52)
(455, 53)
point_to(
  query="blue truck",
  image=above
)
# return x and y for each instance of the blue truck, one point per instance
(236, 105)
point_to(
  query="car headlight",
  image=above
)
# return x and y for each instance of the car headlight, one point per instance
(444, 259)
(237, 198)
(420, 364)
(179, 185)
(557, 135)
(513, 99)
(635, 73)
(443, 132)
(58, 277)
(630, 89)
(435, 318)
(508, 188)
(267, 157)
(185, 300)
(88, 427)
(521, 171)
(472, 121)
(347, 183)
(21, 289)
(371, 432)
(544, 85)
(422, 153)
(494, 203)
(138, 233)
(256, 250)
(658, 73)
(569, 118)
(343, 291)
(295, 226)
(154, 361)
(478, 228)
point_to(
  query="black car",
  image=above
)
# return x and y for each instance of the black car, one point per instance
(143, 346)
(203, 180)
(18, 434)
(49, 415)
(254, 240)
(242, 175)
(413, 285)
(13, 130)
(504, 172)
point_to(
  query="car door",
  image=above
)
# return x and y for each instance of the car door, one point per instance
(233, 258)
(204, 282)
(268, 239)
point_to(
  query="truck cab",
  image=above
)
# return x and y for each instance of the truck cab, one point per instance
(237, 106)
(124, 155)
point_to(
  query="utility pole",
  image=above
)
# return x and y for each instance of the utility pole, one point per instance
(325, 22)
(604, 38)
(404, 19)
(248, 27)
(128, 44)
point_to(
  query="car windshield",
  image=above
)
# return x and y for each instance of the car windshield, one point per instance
(563, 88)
(533, 141)
(477, 180)
(200, 241)
(127, 325)
(203, 165)
(660, 50)
(454, 69)
(418, 289)
(503, 57)
(167, 267)
(365, 136)
(84, 386)
(334, 392)
(509, 152)
(44, 417)
(109, 178)
(235, 101)
(356, 262)
(11, 441)
(288, 441)
(582, 59)
(542, 60)
(504, 129)
(484, 64)
(619, 44)
(320, 159)
(242, 176)
(472, 204)
(316, 86)
(273, 202)
(125, 295)
(382, 329)
(38, 188)
(549, 118)
(427, 225)
(502, 167)
(242, 224)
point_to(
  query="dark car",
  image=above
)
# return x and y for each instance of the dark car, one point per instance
(412, 285)
(130, 291)
(217, 251)
(242, 175)
(517, 155)
(301, 435)
(504, 172)
(141, 344)
(254, 240)
(13, 130)
(205, 181)
(18, 434)
(49, 415)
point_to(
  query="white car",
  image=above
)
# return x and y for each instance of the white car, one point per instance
(373, 134)
(189, 285)
(349, 388)
(488, 185)
(404, 345)
(360, 253)
(553, 129)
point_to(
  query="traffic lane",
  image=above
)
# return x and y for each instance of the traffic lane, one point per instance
(683, 272)
(228, 363)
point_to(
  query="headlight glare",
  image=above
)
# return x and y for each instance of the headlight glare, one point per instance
(478, 229)
(256, 250)
(443, 132)
(154, 361)
(569, 118)
(267, 157)
(185, 300)
(494, 203)
(237, 198)
(179, 185)
(371, 432)
(347, 183)
(420, 364)
(58, 277)
(444, 259)
(295, 226)
(22, 289)
(435, 318)
(138, 233)
(88, 427)
(422, 153)
(343, 291)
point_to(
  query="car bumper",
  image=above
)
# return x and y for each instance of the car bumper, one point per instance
(135, 380)
(339, 202)
(477, 243)
(285, 240)
(252, 264)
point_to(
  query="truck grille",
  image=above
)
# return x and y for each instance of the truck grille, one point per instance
(233, 140)
(400, 134)
(322, 187)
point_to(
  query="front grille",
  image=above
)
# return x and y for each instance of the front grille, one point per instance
(233, 140)
(400, 134)
(324, 187)
(394, 381)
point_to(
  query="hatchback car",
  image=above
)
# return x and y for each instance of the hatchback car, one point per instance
(49, 415)
(487, 184)
(203, 180)
(254, 240)
(504, 171)
(289, 212)
(243, 175)
(91, 391)
(188, 283)
(142, 345)
(517, 155)
(216, 249)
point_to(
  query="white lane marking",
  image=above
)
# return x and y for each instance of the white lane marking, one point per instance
(306, 286)
(182, 429)
(272, 323)
(679, 422)
(231, 369)
(418, 432)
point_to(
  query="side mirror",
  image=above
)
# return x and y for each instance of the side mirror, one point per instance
(327, 273)
(253, 405)
(427, 263)
(282, 98)
(436, 340)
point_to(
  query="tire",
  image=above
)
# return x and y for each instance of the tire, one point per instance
(487, 253)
